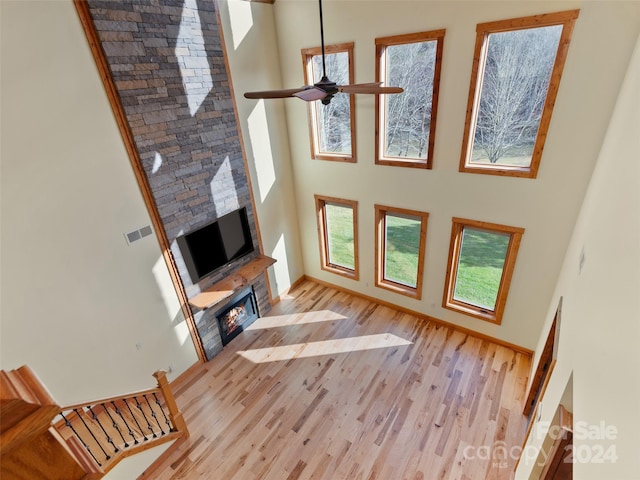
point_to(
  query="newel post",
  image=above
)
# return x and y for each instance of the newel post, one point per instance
(174, 413)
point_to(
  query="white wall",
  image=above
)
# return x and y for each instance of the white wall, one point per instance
(250, 39)
(546, 207)
(76, 299)
(600, 326)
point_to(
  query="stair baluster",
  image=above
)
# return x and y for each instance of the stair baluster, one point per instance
(144, 437)
(153, 414)
(162, 410)
(79, 437)
(119, 412)
(96, 419)
(81, 416)
(114, 424)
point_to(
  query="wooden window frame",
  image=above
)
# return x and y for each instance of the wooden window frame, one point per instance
(320, 202)
(457, 229)
(381, 117)
(312, 114)
(483, 30)
(381, 212)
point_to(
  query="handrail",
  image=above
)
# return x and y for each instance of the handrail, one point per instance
(81, 441)
(110, 399)
(114, 427)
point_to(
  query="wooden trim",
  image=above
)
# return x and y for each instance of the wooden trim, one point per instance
(312, 113)
(457, 328)
(28, 408)
(179, 383)
(241, 139)
(567, 19)
(457, 229)
(127, 137)
(182, 379)
(148, 391)
(380, 116)
(151, 471)
(556, 458)
(325, 263)
(546, 362)
(175, 415)
(233, 282)
(542, 20)
(542, 376)
(547, 460)
(381, 212)
(80, 454)
(284, 294)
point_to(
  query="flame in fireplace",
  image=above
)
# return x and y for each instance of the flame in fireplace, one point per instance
(233, 318)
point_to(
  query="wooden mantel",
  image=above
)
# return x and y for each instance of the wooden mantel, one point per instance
(226, 287)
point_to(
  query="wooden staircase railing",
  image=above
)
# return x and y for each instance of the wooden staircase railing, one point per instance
(39, 439)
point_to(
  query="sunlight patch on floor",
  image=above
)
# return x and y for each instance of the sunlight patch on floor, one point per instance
(323, 347)
(295, 319)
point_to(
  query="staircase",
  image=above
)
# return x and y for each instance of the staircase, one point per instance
(39, 439)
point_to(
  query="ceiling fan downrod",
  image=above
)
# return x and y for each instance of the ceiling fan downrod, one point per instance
(324, 70)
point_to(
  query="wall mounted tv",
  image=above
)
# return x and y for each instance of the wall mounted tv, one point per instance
(216, 244)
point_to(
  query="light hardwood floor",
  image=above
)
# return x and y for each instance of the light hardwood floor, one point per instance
(332, 386)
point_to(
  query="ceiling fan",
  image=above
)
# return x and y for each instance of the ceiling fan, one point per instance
(325, 89)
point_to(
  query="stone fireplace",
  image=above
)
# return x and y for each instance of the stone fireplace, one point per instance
(167, 62)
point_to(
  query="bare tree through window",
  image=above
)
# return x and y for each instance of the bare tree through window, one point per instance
(406, 122)
(515, 78)
(332, 126)
(514, 89)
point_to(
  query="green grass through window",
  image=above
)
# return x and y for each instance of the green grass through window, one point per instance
(340, 245)
(480, 266)
(403, 245)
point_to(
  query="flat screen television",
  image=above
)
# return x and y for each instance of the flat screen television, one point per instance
(216, 244)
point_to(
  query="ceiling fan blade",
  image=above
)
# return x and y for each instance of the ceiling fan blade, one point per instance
(371, 88)
(274, 93)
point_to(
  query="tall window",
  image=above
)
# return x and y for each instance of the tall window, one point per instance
(400, 245)
(482, 257)
(338, 235)
(332, 126)
(516, 73)
(407, 122)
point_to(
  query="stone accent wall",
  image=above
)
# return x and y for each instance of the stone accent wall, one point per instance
(168, 65)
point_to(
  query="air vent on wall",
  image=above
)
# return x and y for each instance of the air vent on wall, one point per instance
(136, 235)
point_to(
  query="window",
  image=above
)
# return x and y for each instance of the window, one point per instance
(481, 261)
(332, 126)
(514, 81)
(338, 235)
(406, 123)
(400, 244)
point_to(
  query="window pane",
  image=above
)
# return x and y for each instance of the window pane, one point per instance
(340, 231)
(480, 264)
(408, 116)
(333, 120)
(516, 78)
(402, 241)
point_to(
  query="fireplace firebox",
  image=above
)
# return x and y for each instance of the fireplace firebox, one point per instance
(240, 312)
